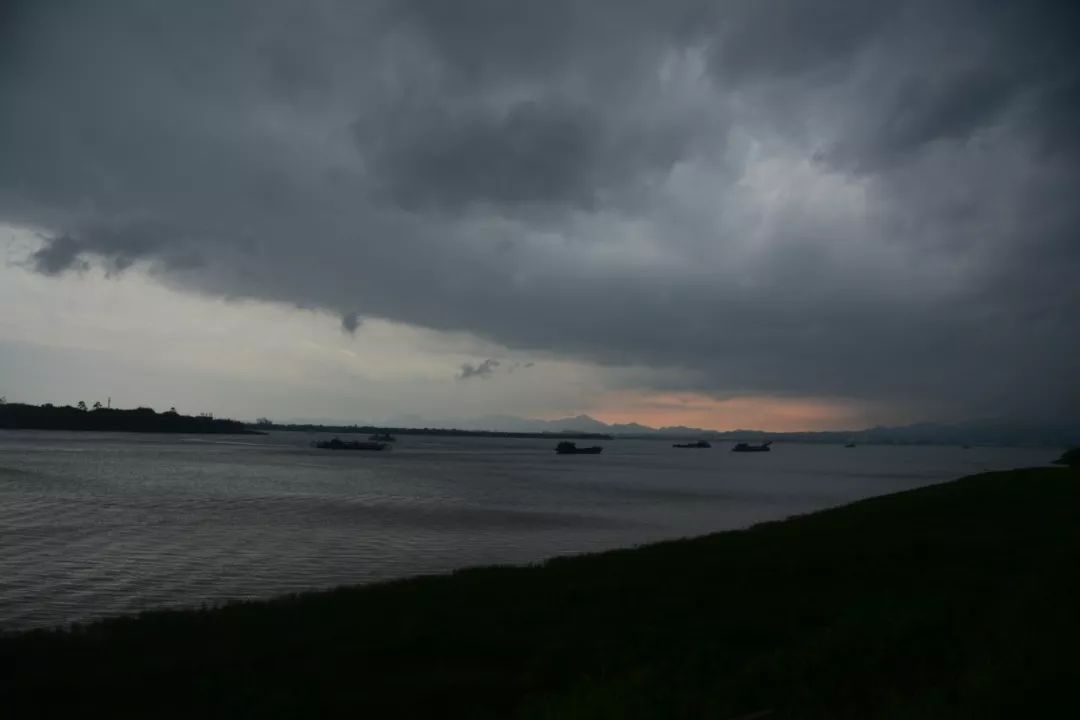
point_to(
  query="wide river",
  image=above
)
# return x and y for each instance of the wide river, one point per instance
(95, 524)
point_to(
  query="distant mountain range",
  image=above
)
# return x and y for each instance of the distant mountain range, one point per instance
(977, 432)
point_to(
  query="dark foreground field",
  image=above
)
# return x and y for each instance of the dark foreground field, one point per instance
(961, 600)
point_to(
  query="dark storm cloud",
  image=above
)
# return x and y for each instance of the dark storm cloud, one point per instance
(870, 200)
(478, 370)
(351, 322)
(529, 153)
(533, 153)
(952, 106)
(56, 255)
(769, 39)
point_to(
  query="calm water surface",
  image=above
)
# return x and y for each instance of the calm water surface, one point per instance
(95, 524)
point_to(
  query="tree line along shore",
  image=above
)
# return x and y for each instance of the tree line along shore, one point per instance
(21, 416)
(99, 418)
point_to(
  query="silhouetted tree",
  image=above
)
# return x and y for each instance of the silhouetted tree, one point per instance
(172, 411)
(97, 405)
(81, 406)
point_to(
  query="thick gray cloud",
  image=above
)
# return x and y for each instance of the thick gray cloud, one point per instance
(869, 200)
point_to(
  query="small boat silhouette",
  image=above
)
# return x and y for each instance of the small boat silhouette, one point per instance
(569, 448)
(698, 444)
(746, 447)
(337, 444)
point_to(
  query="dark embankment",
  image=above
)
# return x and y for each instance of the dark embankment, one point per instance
(958, 600)
(1070, 458)
(17, 416)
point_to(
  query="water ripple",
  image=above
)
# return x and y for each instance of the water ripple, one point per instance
(103, 524)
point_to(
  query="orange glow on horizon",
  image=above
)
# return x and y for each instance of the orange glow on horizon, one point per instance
(757, 413)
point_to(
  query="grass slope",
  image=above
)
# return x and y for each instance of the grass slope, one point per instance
(959, 600)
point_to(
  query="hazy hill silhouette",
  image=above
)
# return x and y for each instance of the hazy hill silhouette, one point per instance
(992, 431)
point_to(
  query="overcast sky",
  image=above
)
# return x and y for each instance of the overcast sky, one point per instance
(721, 213)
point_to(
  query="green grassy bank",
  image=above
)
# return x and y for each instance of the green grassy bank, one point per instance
(960, 600)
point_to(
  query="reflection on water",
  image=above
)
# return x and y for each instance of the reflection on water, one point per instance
(103, 524)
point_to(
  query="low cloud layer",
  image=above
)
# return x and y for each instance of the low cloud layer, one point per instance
(849, 199)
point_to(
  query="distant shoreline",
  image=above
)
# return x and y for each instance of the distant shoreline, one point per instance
(19, 416)
(435, 432)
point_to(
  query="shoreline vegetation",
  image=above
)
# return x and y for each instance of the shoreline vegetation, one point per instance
(955, 600)
(20, 416)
